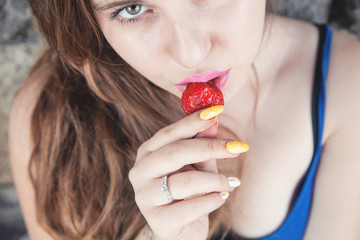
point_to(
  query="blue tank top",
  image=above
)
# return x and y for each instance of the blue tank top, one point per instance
(294, 226)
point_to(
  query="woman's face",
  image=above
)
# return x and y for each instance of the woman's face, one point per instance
(168, 41)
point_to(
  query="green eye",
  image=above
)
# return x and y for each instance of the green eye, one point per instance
(133, 9)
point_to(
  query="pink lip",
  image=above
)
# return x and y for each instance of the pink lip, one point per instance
(220, 77)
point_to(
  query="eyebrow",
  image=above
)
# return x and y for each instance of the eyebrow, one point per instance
(105, 5)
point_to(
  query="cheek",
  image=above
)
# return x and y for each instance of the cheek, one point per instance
(143, 56)
(133, 48)
(242, 31)
(140, 51)
(136, 51)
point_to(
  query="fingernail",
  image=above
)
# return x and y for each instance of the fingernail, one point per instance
(224, 195)
(234, 182)
(235, 147)
(211, 112)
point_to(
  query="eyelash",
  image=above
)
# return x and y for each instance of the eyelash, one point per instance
(115, 14)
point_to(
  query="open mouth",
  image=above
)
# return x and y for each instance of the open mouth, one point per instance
(219, 78)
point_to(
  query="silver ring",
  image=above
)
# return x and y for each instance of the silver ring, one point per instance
(165, 189)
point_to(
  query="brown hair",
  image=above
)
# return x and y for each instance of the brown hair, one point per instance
(90, 119)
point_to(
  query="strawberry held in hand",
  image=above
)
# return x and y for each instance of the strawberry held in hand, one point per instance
(200, 95)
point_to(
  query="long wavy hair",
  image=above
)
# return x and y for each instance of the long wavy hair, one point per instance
(89, 120)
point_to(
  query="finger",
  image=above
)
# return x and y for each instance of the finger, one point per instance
(187, 127)
(211, 132)
(206, 166)
(174, 156)
(185, 212)
(211, 165)
(188, 184)
(183, 186)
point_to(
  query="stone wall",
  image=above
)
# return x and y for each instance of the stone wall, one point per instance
(19, 46)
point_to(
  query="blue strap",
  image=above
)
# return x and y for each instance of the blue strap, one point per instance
(295, 224)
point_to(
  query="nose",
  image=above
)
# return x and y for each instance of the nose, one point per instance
(189, 45)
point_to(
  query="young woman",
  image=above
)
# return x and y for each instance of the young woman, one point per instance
(101, 149)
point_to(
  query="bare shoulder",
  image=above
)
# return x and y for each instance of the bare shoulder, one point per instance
(20, 145)
(23, 106)
(336, 206)
(343, 97)
(343, 83)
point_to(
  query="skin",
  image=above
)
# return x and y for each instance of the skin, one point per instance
(167, 47)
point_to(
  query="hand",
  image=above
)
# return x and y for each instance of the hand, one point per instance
(175, 152)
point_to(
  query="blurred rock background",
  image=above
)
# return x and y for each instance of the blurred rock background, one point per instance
(20, 45)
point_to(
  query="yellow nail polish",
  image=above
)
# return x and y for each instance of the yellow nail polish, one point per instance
(211, 112)
(235, 147)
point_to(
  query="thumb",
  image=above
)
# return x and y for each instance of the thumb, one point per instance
(211, 132)
(208, 166)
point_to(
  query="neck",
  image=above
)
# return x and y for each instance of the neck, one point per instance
(242, 110)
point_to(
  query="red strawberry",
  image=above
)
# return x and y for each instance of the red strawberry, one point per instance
(201, 95)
